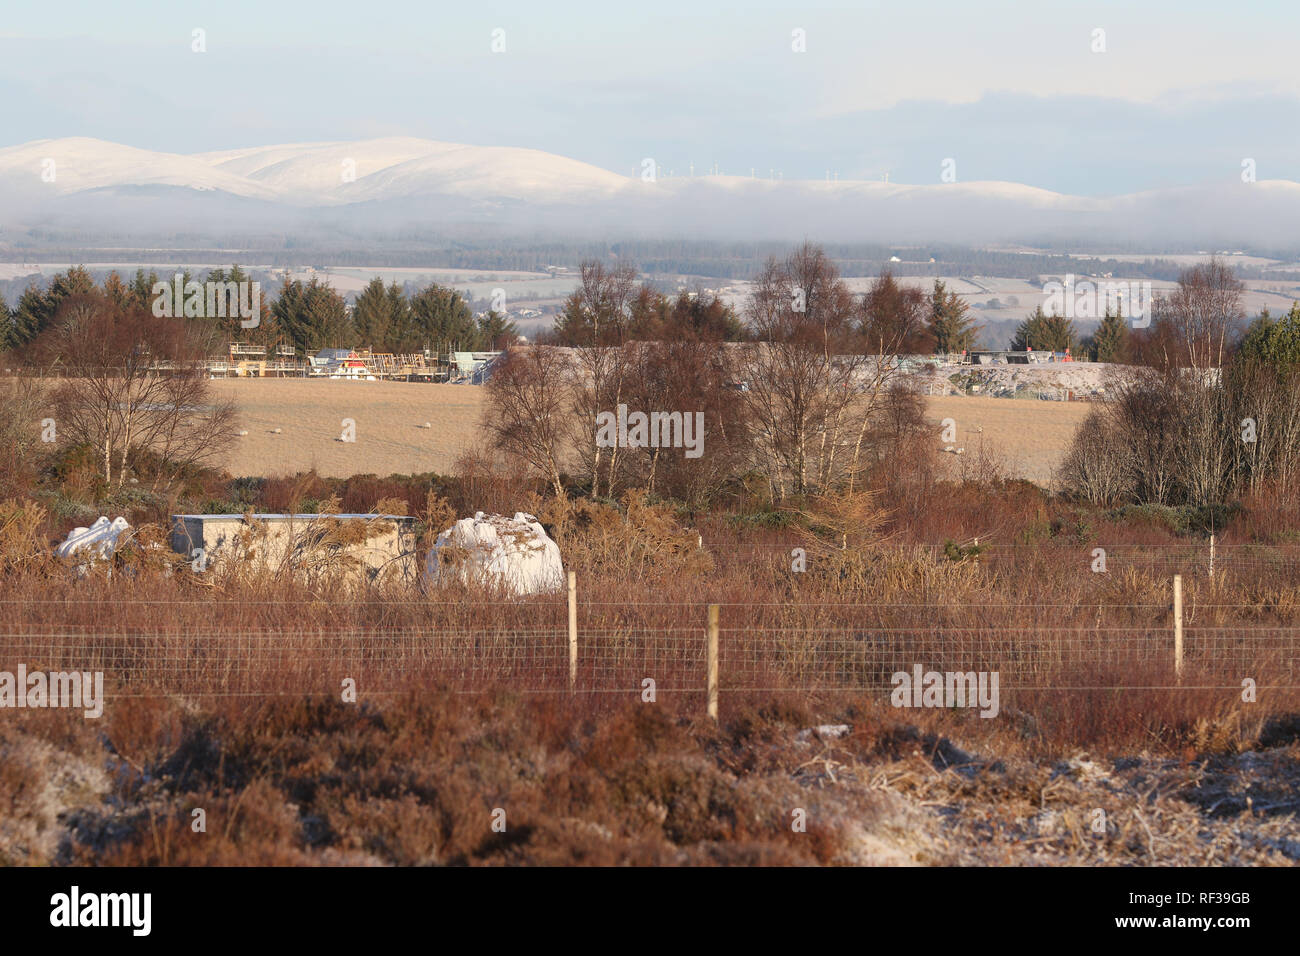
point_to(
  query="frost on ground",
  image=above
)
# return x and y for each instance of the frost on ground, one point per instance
(299, 783)
(1049, 381)
(43, 787)
(964, 810)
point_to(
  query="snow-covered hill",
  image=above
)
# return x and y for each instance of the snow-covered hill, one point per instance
(397, 168)
(405, 182)
(64, 166)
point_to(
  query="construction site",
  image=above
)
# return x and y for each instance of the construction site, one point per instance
(247, 360)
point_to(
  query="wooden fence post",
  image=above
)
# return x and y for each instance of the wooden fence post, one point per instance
(713, 662)
(1178, 626)
(573, 631)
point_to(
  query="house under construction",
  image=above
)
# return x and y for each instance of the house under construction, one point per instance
(257, 361)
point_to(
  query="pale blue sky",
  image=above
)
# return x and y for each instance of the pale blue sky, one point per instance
(1011, 90)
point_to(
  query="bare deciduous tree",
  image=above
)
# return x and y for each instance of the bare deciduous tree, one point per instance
(821, 365)
(529, 407)
(595, 320)
(894, 318)
(1268, 395)
(1097, 466)
(802, 370)
(1200, 318)
(1147, 421)
(685, 377)
(24, 405)
(135, 386)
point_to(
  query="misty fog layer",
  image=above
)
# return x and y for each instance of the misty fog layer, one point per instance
(375, 187)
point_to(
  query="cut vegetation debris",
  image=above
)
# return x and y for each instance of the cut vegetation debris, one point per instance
(367, 546)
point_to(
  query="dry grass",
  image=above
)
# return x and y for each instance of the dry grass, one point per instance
(1088, 657)
(420, 779)
(230, 702)
(389, 417)
(1031, 436)
(225, 695)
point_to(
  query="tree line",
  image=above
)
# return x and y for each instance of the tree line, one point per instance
(803, 395)
(1207, 410)
(308, 315)
(609, 307)
(803, 402)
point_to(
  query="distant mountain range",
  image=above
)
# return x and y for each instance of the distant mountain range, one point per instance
(403, 184)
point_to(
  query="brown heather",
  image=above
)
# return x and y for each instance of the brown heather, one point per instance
(227, 696)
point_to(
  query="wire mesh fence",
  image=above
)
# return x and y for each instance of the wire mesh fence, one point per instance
(809, 656)
(1080, 629)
